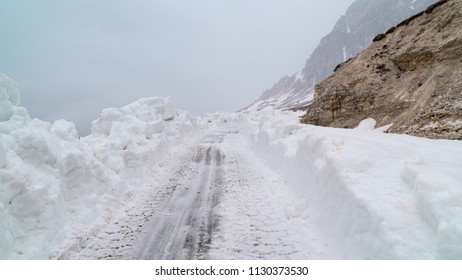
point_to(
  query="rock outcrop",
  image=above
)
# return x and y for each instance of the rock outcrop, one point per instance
(410, 77)
(352, 33)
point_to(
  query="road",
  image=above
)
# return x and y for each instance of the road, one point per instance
(213, 199)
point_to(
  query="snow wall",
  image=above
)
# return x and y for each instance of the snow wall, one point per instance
(53, 184)
(378, 196)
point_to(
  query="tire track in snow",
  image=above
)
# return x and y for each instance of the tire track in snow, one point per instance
(183, 229)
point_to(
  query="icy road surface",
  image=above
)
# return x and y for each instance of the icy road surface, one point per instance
(212, 200)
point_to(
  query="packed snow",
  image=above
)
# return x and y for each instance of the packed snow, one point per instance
(286, 190)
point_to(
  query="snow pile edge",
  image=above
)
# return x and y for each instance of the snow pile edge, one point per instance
(377, 196)
(54, 186)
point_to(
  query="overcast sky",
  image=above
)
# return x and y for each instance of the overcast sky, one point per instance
(72, 58)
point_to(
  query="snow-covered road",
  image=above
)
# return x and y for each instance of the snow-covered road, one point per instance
(218, 202)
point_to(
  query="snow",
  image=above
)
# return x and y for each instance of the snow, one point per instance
(288, 190)
(261, 218)
(308, 96)
(255, 106)
(270, 103)
(299, 75)
(65, 130)
(9, 97)
(367, 124)
(344, 54)
(379, 196)
(54, 185)
(38, 187)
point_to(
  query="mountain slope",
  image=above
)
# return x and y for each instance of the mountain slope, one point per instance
(352, 33)
(410, 77)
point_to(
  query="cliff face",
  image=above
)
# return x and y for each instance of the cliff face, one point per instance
(352, 33)
(411, 77)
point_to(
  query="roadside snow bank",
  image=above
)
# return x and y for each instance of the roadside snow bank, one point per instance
(131, 142)
(138, 133)
(54, 185)
(379, 196)
(46, 182)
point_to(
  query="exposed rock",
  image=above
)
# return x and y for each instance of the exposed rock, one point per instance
(412, 78)
(352, 33)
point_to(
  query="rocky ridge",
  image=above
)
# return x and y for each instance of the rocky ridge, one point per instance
(352, 33)
(410, 77)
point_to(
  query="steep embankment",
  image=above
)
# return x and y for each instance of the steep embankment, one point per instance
(411, 77)
(352, 33)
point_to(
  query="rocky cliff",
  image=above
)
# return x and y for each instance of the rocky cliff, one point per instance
(410, 77)
(352, 33)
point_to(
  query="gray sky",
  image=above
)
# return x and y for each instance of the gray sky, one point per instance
(72, 58)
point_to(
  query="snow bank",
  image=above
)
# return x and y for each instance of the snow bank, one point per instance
(138, 133)
(48, 180)
(44, 180)
(378, 196)
(54, 185)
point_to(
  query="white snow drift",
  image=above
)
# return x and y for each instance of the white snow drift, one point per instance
(54, 185)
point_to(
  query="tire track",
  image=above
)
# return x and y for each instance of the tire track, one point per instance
(183, 229)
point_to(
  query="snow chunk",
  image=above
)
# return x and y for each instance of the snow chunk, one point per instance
(46, 175)
(384, 128)
(143, 116)
(9, 88)
(367, 124)
(64, 129)
(133, 134)
(169, 112)
(9, 97)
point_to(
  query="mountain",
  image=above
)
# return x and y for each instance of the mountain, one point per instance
(352, 33)
(410, 77)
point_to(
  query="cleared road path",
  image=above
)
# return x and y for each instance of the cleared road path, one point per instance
(213, 200)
